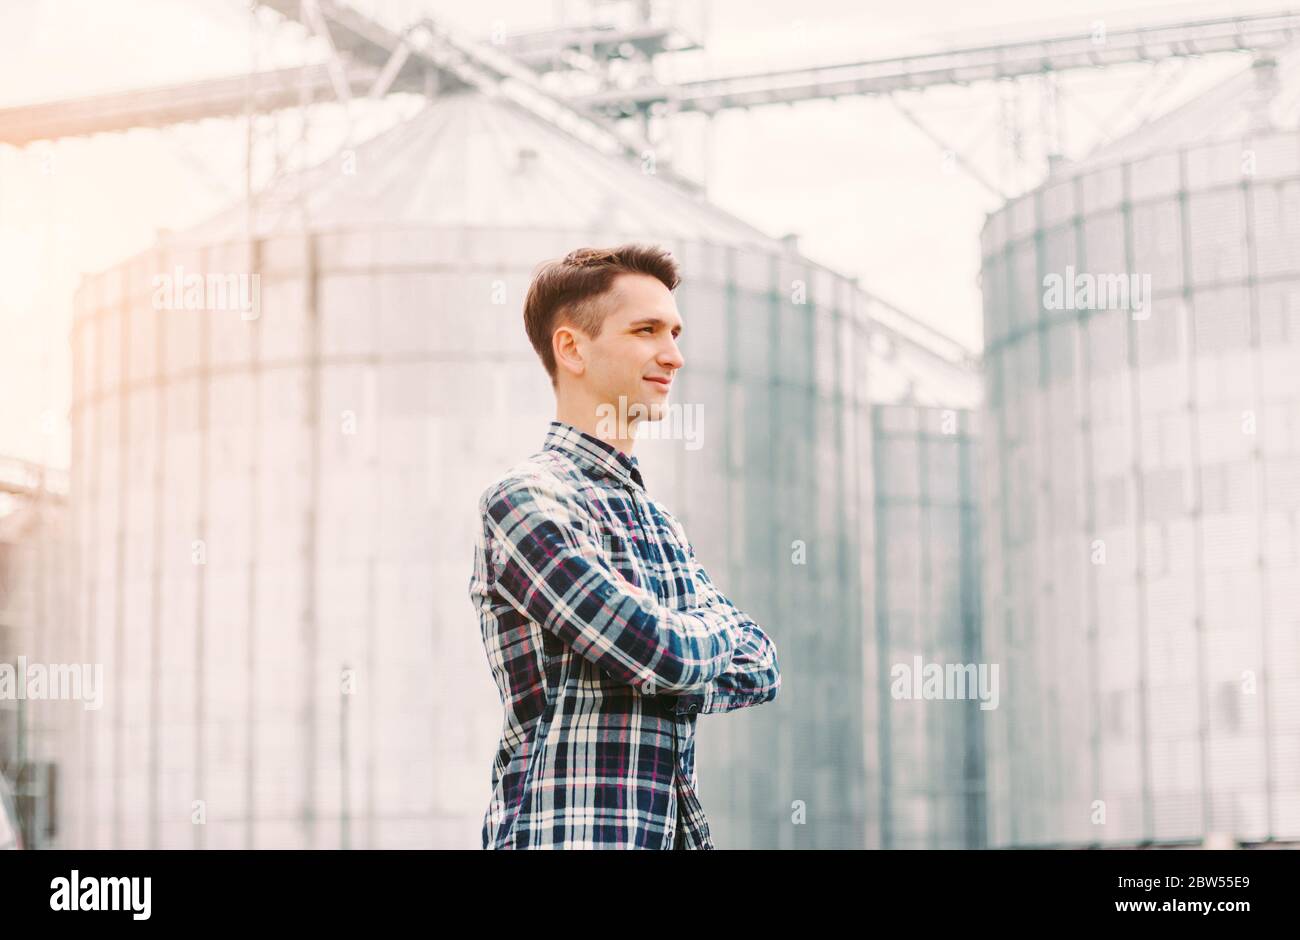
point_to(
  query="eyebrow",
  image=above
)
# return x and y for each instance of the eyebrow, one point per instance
(655, 321)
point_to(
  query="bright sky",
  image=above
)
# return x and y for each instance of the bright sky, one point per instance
(867, 192)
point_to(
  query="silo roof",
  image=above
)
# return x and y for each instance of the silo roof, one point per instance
(1224, 112)
(472, 160)
(475, 161)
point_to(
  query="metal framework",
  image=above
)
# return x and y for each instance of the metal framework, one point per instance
(1147, 44)
(368, 59)
(261, 92)
(427, 54)
(25, 479)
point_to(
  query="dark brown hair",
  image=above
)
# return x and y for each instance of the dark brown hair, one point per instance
(569, 290)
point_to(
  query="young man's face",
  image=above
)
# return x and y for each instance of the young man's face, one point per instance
(636, 354)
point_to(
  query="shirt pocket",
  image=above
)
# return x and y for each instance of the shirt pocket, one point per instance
(680, 586)
(687, 590)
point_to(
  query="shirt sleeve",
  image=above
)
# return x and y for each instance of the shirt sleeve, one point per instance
(548, 565)
(753, 675)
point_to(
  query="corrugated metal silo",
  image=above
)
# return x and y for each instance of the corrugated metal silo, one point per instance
(33, 633)
(261, 503)
(1141, 491)
(927, 613)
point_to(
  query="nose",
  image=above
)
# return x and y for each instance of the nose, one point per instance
(671, 357)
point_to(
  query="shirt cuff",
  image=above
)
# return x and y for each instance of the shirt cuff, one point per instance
(693, 702)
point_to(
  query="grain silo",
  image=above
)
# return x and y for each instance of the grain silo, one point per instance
(928, 752)
(37, 705)
(1141, 484)
(273, 496)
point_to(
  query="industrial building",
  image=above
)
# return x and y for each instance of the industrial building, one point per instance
(928, 754)
(269, 506)
(34, 620)
(1141, 483)
(270, 509)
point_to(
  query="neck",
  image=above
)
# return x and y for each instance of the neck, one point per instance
(581, 412)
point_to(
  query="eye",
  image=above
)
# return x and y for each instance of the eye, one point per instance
(644, 328)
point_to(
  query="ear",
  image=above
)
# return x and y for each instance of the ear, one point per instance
(566, 345)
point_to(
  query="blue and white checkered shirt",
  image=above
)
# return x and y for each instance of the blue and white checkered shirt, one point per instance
(606, 639)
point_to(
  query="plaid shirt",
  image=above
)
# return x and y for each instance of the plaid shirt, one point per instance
(606, 639)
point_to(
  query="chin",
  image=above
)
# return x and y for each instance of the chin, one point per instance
(656, 411)
(638, 410)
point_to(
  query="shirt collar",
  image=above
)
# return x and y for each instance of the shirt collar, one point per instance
(593, 453)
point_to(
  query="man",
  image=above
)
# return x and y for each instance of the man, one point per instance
(605, 636)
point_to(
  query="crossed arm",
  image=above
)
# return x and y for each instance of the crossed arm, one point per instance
(548, 565)
(753, 675)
